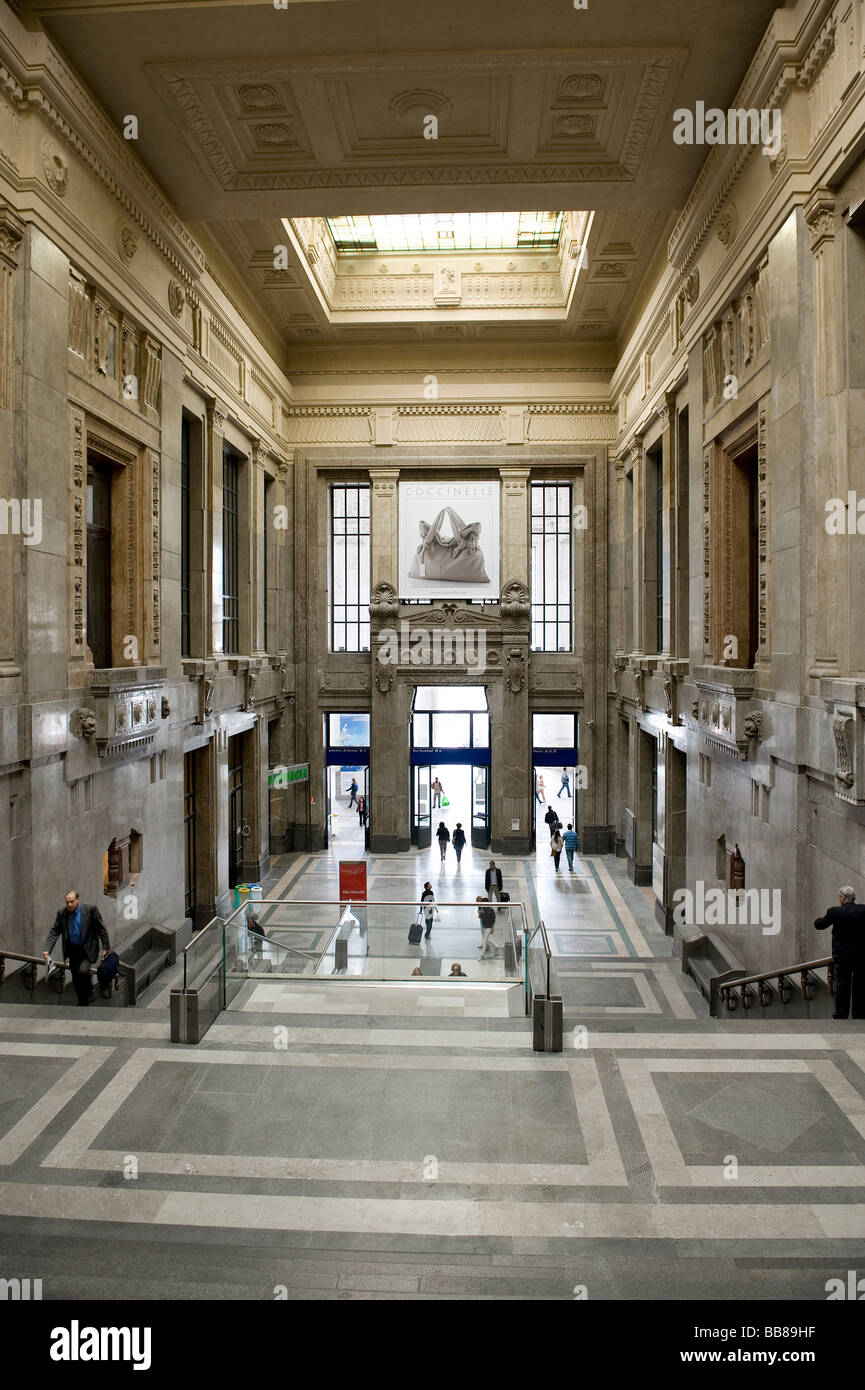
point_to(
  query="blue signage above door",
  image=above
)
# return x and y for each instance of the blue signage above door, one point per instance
(349, 758)
(465, 757)
(555, 757)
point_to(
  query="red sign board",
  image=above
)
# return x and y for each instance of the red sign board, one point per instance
(352, 880)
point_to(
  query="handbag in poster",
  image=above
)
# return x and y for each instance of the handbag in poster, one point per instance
(458, 558)
(449, 537)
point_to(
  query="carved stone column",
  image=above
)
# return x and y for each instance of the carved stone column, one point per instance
(11, 234)
(511, 727)
(830, 472)
(666, 540)
(515, 522)
(390, 697)
(637, 469)
(384, 525)
(216, 418)
(619, 638)
(255, 847)
(258, 535)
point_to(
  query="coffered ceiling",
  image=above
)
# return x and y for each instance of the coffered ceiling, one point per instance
(249, 114)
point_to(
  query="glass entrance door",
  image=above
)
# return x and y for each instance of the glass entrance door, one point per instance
(421, 828)
(480, 807)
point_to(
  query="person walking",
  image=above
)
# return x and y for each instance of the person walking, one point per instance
(487, 917)
(848, 952)
(361, 808)
(572, 844)
(428, 907)
(443, 836)
(437, 790)
(552, 821)
(459, 841)
(565, 785)
(493, 881)
(352, 800)
(540, 794)
(83, 933)
(557, 844)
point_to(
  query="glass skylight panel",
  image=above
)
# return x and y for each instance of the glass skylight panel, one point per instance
(447, 231)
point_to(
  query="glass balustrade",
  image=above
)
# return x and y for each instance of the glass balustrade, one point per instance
(375, 941)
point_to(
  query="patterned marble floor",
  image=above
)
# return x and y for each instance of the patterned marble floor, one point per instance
(381, 1142)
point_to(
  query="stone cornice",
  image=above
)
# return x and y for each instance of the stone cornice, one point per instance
(48, 85)
(779, 65)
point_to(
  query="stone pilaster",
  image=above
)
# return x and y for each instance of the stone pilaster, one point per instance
(214, 441)
(637, 469)
(515, 522)
(258, 537)
(255, 847)
(830, 476)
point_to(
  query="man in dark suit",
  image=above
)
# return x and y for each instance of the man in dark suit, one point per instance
(493, 881)
(848, 952)
(83, 932)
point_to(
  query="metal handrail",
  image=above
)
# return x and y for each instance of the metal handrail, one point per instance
(776, 974)
(198, 935)
(545, 941)
(58, 964)
(32, 960)
(355, 902)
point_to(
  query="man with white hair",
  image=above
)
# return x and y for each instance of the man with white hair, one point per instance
(848, 951)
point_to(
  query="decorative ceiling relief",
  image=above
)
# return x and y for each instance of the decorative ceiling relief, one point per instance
(258, 97)
(374, 120)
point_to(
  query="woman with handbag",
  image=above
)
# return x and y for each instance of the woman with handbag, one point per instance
(443, 836)
(428, 907)
(557, 844)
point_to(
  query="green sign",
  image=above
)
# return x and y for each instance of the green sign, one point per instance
(285, 776)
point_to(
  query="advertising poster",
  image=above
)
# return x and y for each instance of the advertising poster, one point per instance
(449, 540)
(352, 880)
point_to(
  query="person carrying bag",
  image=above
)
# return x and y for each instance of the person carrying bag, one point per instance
(428, 907)
(557, 844)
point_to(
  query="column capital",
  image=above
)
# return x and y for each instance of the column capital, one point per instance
(820, 217)
(217, 414)
(11, 235)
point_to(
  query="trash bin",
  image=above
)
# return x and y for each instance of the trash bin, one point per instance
(255, 892)
(241, 894)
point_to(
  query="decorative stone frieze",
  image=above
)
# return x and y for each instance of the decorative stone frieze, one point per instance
(11, 234)
(724, 713)
(127, 707)
(55, 166)
(516, 601)
(176, 298)
(515, 670)
(127, 240)
(845, 701)
(82, 723)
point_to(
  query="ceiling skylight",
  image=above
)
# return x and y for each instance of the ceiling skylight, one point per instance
(447, 231)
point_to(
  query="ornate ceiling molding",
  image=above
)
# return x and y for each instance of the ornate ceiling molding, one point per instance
(191, 90)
